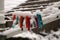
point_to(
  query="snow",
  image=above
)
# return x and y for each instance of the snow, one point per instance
(33, 36)
(20, 13)
(2, 19)
(56, 4)
(50, 10)
(9, 4)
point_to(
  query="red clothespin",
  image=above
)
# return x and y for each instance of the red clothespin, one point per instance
(28, 23)
(21, 21)
(14, 17)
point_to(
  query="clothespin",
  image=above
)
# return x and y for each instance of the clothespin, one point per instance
(21, 21)
(15, 21)
(36, 22)
(13, 25)
(14, 17)
(17, 18)
(39, 20)
(28, 23)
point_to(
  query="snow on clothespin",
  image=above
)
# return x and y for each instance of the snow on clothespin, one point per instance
(21, 21)
(28, 23)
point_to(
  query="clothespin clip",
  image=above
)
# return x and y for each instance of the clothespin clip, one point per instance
(13, 25)
(21, 21)
(14, 22)
(14, 17)
(28, 23)
(17, 18)
(36, 22)
(40, 24)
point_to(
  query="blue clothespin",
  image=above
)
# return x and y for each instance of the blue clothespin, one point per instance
(17, 18)
(40, 23)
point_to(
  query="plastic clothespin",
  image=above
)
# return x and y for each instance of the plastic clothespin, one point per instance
(36, 22)
(21, 21)
(28, 23)
(14, 17)
(17, 18)
(14, 23)
(39, 20)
